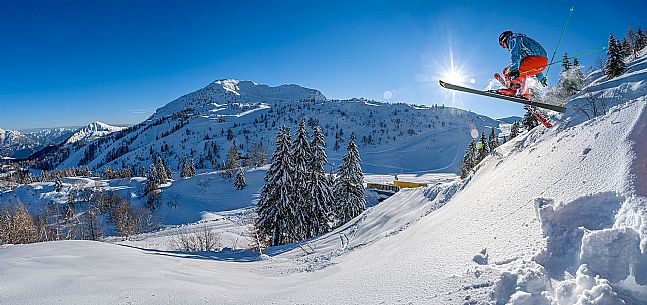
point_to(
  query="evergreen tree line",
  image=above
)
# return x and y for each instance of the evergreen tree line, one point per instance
(298, 200)
(477, 150)
(617, 51)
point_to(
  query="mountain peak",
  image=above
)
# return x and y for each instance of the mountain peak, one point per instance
(92, 131)
(228, 91)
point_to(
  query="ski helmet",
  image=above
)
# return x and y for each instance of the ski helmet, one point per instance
(503, 39)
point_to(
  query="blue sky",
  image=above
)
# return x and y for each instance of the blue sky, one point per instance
(65, 63)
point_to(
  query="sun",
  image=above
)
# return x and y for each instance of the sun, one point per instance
(453, 76)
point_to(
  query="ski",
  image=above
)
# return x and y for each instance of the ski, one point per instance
(538, 116)
(503, 97)
(500, 78)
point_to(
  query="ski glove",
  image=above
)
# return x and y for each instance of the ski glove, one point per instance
(514, 74)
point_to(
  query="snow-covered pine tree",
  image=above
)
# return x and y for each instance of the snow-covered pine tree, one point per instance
(626, 47)
(191, 168)
(576, 62)
(614, 65)
(631, 39)
(169, 173)
(152, 180)
(641, 39)
(275, 209)
(300, 153)
(492, 141)
(514, 130)
(151, 189)
(184, 172)
(319, 193)
(349, 185)
(566, 64)
(240, 182)
(468, 159)
(142, 171)
(161, 170)
(570, 82)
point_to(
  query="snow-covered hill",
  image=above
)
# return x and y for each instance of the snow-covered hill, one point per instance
(555, 216)
(206, 123)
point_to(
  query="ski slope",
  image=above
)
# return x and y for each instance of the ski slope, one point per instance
(555, 216)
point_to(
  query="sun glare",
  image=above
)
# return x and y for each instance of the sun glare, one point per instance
(454, 76)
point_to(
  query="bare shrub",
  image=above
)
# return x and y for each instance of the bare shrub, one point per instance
(202, 240)
(17, 225)
(591, 105)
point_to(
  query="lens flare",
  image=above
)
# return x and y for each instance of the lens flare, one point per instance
(388, 95)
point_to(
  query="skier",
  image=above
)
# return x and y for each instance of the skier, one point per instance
(528, 59)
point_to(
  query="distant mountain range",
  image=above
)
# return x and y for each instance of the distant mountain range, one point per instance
(19, 144)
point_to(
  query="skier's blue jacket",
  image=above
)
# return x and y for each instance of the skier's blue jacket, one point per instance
(522, 46)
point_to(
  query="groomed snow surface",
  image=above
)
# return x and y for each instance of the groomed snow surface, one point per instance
(555, 216)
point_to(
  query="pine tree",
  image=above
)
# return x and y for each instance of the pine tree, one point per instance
(493, 141)
(631, 40)
(570, 81)
(468, 159)
(142, 171)
(152, 180)
(349, 186)
(151, 189)
(184, 172)
(576, 62)
(566, 64)
(614, 65)
(169, 173)
(240, 182)
(514, 130)
(161, 170)
(300, 154)
(626, 47)
(191, 168)
(641, 40)
(318, 190)
(276, 210)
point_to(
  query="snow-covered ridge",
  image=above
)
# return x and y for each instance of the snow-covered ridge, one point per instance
(13, 140)
(227, 91)
(92, 131)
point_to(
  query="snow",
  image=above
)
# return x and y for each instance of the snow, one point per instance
(92, 131)
(554, 216)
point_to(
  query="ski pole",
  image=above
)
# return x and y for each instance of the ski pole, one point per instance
(567, 58)
(559, 41)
